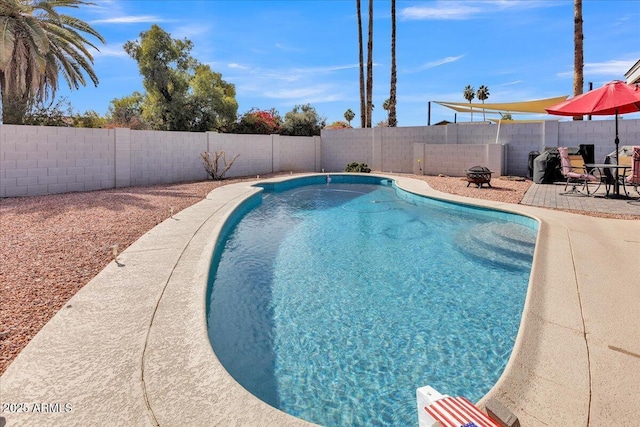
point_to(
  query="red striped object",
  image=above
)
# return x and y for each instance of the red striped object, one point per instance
(458, 412)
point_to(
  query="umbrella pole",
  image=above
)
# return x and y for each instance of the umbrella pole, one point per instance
(616, 184)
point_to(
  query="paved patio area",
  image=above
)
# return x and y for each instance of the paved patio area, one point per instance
(555, 196)
(131, 347)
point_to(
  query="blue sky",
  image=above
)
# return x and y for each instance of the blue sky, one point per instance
(282, 53)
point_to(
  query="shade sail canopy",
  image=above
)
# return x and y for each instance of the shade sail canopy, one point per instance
(503, 121)
(615, 97)
(537, 106)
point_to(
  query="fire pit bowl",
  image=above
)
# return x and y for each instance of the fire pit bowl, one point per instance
(478, 175)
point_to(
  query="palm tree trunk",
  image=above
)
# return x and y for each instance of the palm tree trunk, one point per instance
(578, 58)
(14, 108)
(363, 115)
(370, 66)
(393, 120)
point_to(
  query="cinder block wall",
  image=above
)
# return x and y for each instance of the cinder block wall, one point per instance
(393, 149)
(165, 157)
(397, 147)
(343, 146)
(255, 153)
(601, 133)
(37, 160)
(453, 160)
(297, 153)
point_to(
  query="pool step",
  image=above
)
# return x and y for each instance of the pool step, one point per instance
(509, 246)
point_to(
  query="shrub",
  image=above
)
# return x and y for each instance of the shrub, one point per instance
(357, 167)
(259, 122)
(212, 166)
(338, 125)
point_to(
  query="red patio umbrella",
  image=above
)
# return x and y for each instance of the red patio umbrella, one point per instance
(615, 97)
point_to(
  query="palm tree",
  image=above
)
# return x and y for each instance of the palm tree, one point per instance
(363, 114)
(578, 55)
(483, 93)
(469, 94)
(349, 115)
(36, 45)
(393, 121)
(370, 66)
(386, 106)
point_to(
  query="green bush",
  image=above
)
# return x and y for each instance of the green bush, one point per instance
(357, 167)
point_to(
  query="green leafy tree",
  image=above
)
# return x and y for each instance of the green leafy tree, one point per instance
(181, 93)
(164, 64)
(89, 119)
(126, 112)
(36, 45)
(483, 94)
(260, 122)
(469, 93)
(49, 113)
(303, 120)
(349, 115)
(213, 104)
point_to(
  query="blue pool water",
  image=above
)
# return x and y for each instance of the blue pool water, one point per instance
(334, 302)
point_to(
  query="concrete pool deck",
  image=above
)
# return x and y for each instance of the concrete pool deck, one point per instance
(131, 347)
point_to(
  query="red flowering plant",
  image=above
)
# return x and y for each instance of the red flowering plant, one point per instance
(261, 122)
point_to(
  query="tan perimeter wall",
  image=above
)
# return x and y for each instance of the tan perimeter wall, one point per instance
(38, 160)
(393, 149)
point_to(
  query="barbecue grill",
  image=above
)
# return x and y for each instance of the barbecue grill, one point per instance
(478, 175)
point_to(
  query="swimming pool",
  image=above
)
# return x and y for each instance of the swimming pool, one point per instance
(335, 301)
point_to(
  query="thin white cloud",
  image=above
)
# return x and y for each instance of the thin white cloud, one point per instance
(113, 52)
(130, 19)
(457, 10)
(190, 31)
(282, 75)
(608, 68)
(515, 82)
(327, 69)
(287, 48)
(448, 11)
(298, 93)
(290, 74)
(614, 68)
(237, 66)
(433, 64)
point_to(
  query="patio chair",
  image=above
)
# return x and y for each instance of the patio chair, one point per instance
(441, 410)
(633, 179)
(573, 169)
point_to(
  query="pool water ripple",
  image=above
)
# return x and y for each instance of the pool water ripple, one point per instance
(336, 313)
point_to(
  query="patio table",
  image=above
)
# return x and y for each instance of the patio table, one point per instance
(619, 170)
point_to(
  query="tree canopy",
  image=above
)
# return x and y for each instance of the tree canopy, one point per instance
(126, 112)
(257, 121)
(303, 120)
(36, 45)
(181, 93)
